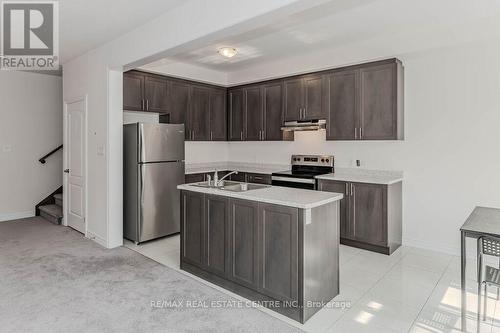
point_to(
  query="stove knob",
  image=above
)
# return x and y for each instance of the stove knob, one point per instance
(323, 160)
(327, 160)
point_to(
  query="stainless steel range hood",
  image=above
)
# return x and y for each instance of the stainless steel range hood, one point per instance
(304, 125)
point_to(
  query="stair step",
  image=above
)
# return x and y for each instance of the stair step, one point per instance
(59, 199)
(52, 213)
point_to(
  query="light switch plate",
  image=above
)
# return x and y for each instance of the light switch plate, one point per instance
(101, 151)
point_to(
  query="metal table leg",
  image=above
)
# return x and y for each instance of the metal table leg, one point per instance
(462, 282)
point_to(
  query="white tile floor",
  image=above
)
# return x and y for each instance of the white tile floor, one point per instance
(413, 290)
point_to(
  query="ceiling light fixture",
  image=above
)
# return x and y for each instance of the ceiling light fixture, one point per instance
(228, 52)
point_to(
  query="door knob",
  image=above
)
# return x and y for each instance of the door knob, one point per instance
(66, 171)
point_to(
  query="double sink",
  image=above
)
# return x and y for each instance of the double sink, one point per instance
(231, 186)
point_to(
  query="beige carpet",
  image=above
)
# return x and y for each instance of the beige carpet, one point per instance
(52, 279)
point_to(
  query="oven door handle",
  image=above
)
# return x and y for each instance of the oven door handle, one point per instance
(294, 180)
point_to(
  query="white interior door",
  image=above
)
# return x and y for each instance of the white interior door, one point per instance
(75, 165)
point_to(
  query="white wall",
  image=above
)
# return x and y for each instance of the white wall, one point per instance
(450, 156)
(30, 126)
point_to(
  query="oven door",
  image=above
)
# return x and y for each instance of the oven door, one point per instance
(305, 183)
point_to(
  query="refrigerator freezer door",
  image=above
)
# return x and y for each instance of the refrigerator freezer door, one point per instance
(159, 199)
(161, 142)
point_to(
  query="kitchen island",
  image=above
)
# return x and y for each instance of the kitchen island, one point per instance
(273, 245)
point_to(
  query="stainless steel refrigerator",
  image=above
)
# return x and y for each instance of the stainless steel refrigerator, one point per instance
(153, 160)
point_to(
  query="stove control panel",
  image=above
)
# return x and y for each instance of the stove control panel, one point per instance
(313, 160)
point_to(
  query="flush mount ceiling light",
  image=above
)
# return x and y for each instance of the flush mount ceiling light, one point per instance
(228, 52)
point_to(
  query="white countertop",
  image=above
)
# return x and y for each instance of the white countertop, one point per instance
(371, 179)
(358, 175)
(284, 196)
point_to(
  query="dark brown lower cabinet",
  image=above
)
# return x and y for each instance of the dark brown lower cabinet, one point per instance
(239, 177)
(259, 178)
(267, 253)
(194, 178)
(370, 214)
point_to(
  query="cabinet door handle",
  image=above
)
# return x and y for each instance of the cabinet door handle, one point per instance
(211, 135)
(305, 113)
(352, 190)
(361, 132)
(192, 134)
(355, 133)
(147, 104)
(241, 135)
(263, 135)
(347, 189)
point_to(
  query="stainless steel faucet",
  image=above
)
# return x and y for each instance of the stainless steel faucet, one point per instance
(219, 181)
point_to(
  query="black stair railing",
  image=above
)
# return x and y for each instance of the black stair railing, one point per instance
(43, 159)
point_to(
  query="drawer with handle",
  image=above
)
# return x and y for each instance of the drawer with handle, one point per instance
(259, 178)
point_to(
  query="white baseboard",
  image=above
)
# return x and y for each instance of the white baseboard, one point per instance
(16, 216)
(99, 240)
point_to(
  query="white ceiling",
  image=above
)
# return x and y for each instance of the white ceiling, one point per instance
(87, 24)
(340, 23)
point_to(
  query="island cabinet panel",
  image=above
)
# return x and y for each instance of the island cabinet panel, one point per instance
(339, 187)
(342, 102)
(370, 214)
(236, 114)
(217, 232)
(243, 243)
(192, 228)
(133, 91)
(264, 252)
(155, 92)
(278, 251)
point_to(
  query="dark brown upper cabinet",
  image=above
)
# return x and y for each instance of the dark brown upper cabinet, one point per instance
(273, 113)
(155, 94)
(133, 91)
(178, 102)
(254, 116)
(145, 92)
(381, 102)
(365, 102)
(198, 124)
(293, 99)
(236, 114)
(256, 113)
(342, 100)
(218, 118)
(304, 98)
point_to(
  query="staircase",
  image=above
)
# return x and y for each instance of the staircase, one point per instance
(53, 212)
